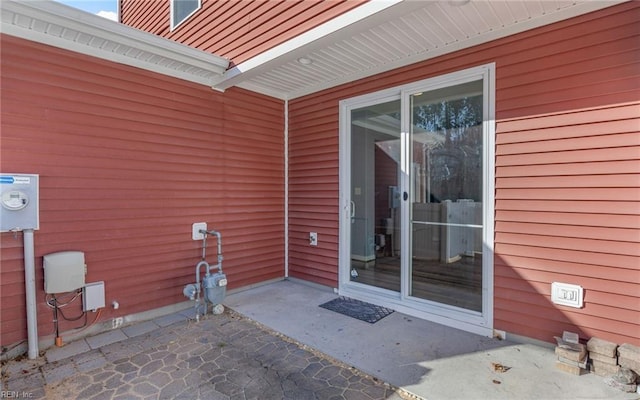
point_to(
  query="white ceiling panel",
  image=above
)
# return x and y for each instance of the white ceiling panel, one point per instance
(402, 34)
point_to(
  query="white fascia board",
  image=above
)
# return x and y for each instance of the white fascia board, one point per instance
(55, 24)
(236, 74)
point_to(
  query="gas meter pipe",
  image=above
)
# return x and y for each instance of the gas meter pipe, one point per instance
(219, 242)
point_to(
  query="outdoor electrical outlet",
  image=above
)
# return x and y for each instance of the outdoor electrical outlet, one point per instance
(117, 322)
(313, 238)
(567, 294)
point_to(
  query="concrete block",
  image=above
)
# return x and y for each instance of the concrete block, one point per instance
(602, 346)
(603, 369)
(68, 350)
(582, 364)
(630, 352)
(570, 369)
(103, 339)
(631, 364)
(572, 355)
(169, 319)
(626, 376)
(140, 328)
(603, 359)
(629, 388)
(624, 380)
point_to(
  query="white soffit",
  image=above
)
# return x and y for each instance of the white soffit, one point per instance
(58, 25)
(389, 35)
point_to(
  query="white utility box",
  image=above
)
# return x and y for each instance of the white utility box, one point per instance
(93, 296)
(64, 271)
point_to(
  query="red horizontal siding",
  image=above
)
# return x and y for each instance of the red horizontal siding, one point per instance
(150, 16)
(567, 172)
(616, 234)
(313, 195)
(236, 29)
(567, 198)
(567, 206)
(128, 160)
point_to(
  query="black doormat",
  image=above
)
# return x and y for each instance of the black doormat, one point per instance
(357, 309)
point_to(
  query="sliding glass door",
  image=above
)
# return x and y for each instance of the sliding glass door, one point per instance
(446, 201)
(417, 197)
(374, 204)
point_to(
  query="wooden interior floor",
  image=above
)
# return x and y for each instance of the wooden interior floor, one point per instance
(457, 283)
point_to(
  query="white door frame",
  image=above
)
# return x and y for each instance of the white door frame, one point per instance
(476, 322)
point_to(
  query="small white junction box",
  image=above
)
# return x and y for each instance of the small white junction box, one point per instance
(93, 296)
(567, 295)
(195, 230)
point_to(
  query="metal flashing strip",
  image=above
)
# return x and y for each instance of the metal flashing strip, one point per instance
(58, 25)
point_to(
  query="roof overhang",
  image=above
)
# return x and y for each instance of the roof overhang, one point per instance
(58, 25)
(379, 36)
(383, 35)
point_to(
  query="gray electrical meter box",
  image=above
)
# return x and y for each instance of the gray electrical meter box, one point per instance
(19, 203)
(63, 271)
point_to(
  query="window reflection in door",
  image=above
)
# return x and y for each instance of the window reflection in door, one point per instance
(446, 210)
(375, 213)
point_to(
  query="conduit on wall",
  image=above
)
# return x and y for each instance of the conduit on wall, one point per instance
(30, 290)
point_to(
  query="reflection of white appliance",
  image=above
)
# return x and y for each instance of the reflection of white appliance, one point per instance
(363, 240)
(457, 234)
(381, 241)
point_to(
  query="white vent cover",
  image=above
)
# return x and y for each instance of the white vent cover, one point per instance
(567, 294)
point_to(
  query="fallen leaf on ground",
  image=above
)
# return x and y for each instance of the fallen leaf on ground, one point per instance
(500, 368)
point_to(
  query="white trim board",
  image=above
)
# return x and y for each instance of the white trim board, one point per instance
(58, 25)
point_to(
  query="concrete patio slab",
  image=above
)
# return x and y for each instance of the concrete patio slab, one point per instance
(68, 350)
(427, 359)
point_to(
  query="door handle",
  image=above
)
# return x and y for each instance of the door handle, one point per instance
(352, 212)
(405, 196)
